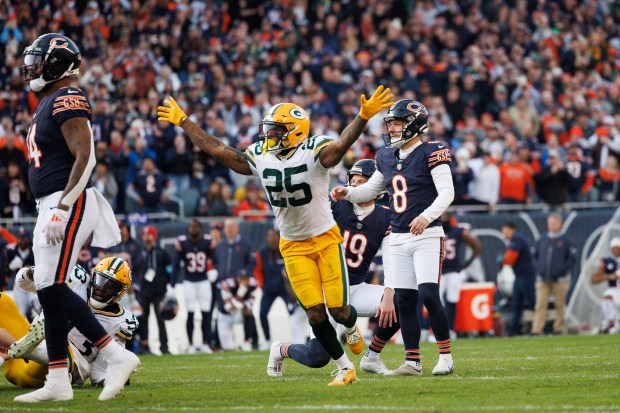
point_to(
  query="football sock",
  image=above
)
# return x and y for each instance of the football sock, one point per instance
(56, 322)
(436, 312)
(189, 326)
(412, 356)
(310, 355)
(349, 324)
(326, 335)
(444, 347)
(206, 327)
(343, 363)
(609, 310)
(451, 314)
(407, 301)
(58, 370)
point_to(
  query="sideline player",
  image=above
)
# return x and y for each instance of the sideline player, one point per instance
(293, 169)
(453, 276)
(419, 182)
(102, 290)
(195, 251)
(365, 228)
(62, 156)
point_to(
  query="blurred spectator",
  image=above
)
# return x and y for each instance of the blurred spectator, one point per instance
(554, 181)
(16, 197)
(253, 207)
(19, 255)
(555, 257)
(516, 181)
(580, 175)
(105, 182)
(12, 148)
(234, 255)
(518, 256)
(214, 204)
(608, 180)
(132, 251)
(150, 188)
(486, 183)
(462, 175)
(178, 163)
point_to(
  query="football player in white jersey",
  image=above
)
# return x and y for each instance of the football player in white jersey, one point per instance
(102, 290)
(293, 168)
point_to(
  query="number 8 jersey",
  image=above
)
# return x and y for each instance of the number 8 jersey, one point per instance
(297, 186)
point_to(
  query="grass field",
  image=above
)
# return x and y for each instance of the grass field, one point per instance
(547, 374)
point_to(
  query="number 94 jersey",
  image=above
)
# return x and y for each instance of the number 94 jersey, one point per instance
(297, 186)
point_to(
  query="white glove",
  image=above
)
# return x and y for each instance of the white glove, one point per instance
(54, 228)
(23, 278)
(16, 263)
(212, 275)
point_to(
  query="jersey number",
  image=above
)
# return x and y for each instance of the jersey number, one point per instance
(450, 246)
(196, 262)
(150, 184)
(355, 244)
(33, 150)
(286, 182)
(399, 185)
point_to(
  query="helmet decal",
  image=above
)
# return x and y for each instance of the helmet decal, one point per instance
(297, 113)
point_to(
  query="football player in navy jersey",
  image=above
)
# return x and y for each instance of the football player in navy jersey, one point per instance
(365, 228)
(419, 182)
(62, 157)
(195, 251)
(609, 270)
(452, 272)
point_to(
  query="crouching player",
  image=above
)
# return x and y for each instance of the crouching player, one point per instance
(102, 290)
(364, 227)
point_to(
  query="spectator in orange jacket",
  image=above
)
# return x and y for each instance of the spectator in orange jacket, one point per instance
(516, 182)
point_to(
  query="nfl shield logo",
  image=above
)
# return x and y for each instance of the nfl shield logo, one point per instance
(359, 225)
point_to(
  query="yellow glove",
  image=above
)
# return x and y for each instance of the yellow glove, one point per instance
(379, 100)
(171, 113)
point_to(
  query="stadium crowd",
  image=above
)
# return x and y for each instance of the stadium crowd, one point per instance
(526, 93)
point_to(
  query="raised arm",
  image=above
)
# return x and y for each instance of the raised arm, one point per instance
(226, 155)
(332, 154)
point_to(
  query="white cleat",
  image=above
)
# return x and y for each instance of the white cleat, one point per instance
(444, 366)
(52, 391)
(117, 375)
(275, 366)
(406, 370)
(373, 365)
(29, 342)
(191, 350)
(206, 349)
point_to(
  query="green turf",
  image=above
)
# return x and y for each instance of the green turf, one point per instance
(546, 374)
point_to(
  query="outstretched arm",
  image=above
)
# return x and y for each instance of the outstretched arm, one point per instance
(332, 154)
(227, 155)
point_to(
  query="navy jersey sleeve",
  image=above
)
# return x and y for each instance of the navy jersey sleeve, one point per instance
(516, 244)
(439, 154)
(71, 103)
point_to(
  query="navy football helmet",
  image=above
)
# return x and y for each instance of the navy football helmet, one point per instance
(50, 58)
(415, 118)
(169, 308)
(365, 167)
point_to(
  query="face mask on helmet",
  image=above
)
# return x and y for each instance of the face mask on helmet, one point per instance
(274, 136)
(408, 119)
(104, 290)
(51, 57)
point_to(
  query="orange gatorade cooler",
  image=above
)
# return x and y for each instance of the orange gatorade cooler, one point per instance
(474, 311)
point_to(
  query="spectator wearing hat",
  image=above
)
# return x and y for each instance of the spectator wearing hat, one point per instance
(156, 282)
(555, 256)
(608, 271)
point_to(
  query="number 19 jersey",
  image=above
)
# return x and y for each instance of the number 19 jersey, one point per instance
(297, 186)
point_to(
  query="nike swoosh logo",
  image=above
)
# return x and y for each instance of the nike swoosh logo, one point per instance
(72, 91)
(440, 146)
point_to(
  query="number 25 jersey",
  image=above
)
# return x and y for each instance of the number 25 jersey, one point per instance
(297, 186)
(50, 160)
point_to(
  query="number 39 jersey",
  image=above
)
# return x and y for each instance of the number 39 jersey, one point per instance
(297, 186)
(195, 256)
(50, 159)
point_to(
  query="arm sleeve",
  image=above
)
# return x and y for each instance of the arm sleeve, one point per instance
(442, 178)
(387, 275)
(369, 190)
